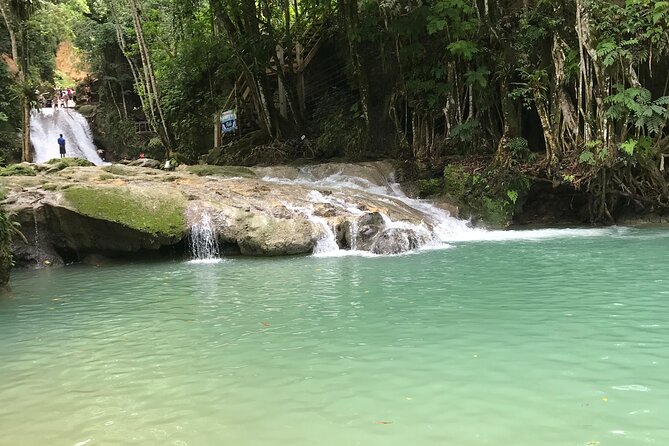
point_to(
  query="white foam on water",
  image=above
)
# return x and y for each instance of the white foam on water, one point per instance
(345, 253)
(483, 235)
(631, 387)
(205, 261)
(47, 124)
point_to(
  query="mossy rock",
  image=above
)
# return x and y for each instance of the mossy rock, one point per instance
(203, 170)
(156, 211)
(118, 169)
(21, 170)
(58, 164)
(70, 162)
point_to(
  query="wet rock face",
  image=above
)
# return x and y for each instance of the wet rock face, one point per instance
(369, 226)
(396, 241)
(260, 235)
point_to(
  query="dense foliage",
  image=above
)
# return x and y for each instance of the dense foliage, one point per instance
(570, 91)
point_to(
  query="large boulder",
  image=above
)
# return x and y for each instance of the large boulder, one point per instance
(67, 225)
(396, 241)
(369, 226)
(258, 234)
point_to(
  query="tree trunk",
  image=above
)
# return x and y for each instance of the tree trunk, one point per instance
(26, 147)
(10, 30)
(510, 123)
(151, 85)
(542, 109)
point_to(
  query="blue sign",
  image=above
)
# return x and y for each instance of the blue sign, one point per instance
(229, 121)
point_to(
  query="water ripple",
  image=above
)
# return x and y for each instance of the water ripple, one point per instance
(551, 342)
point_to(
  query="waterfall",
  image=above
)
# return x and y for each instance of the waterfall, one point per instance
(353, 229)
(47, 124)
(346, 195)
(328, 241)
(203, 241)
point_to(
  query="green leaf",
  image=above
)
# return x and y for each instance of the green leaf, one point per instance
(435, 25)
(602, 153)
(629, 146)
(463, 48)
(513, 195)
(587, 157)
(478, 77)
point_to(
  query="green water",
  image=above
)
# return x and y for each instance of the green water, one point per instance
(560, 341)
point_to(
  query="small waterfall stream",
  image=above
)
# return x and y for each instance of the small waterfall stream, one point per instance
(354, 235)
(202, 239)
(437, 228)
(328, 242)
(47, 124)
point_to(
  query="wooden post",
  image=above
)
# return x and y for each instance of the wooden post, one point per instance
(299, 57)
(217, 130)
(217, 116)
(283, 101)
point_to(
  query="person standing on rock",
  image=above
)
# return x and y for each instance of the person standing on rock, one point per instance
(61, 145)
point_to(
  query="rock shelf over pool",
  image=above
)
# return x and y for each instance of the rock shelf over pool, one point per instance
(69, 214)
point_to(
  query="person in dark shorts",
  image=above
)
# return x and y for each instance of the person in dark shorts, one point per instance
(61, 144)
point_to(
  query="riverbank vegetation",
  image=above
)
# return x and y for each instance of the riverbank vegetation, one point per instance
(515, 95)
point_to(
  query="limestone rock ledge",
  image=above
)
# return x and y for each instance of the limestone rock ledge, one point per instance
(77, 212)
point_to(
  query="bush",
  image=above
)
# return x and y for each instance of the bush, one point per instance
(8, 230)
(493, 196)
(456, 181)
(17, 170)
(428, 188)
(496, 211)
(519, 150)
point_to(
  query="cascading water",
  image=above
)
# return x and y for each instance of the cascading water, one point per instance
(203, 241)
(47, 124)
(438, 226)
(354, 235)
(328, 241)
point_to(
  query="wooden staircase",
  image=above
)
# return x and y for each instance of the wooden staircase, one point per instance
(306, 48)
